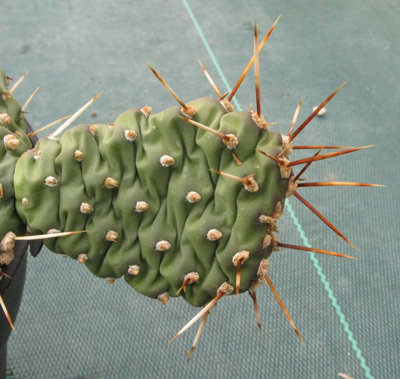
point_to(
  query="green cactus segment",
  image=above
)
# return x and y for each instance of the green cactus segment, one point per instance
(13, 142)
(142, 217)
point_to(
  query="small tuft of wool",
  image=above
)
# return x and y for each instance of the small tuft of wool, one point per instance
(252, 186)
(112, 236)
(51, 181)
(240, 257)
(189, 112)
(10, 142)
(133, 270)
(141, 206)
(225, 289)
(5, 119)
(163, 298)
(110, 280)
(110, 126)
(53, 231)
(6, 96)
(93, 129)
(214, 235)
(260, 121)
(37, 154)
(78, 155)
(285, 169)
(232, 142)
(263, 268)
(192, 277)
(25, 201)
(267, 240)
(167, 161)
(227, 105)
(130, 135)
(292, 187)
(163, 246)
(264, 219)
(275, 241)
(86, 208)
(146, 110)
(193, 197)
(8, 242)
(82, 258)
(287, 144)
(6, 257)
(278, 211)
(110, 183)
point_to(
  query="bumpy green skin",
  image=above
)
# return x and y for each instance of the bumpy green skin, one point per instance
(225, 204)
(9, 219)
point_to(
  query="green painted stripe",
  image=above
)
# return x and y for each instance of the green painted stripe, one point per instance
(289, 208)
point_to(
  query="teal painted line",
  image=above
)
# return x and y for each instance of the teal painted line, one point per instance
(288, 207)
(211, 54)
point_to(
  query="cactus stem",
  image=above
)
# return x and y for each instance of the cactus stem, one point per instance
(176, 97)
(74, 117)
(298, 147)
(257, 69)
(285, 311)
(320, 251)
(246, 70)
(296, 114)
(47, 126)
(223, 290)
(326, 156)
(256, 309)
(7, 314)
(45, 236)
(326, 184)
(213, 85)
(322, 218)
(198, 334)
(18, 82)
(248, 181)
(306, 166)
(29, 99)
(306, 122)
(230, 140)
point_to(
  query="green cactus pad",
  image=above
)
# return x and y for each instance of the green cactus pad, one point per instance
(109, 180)
(14, 142)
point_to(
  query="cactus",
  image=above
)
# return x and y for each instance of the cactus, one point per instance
(180, 203)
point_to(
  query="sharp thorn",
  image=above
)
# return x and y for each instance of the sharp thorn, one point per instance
(257, 70)
(328, 184)
(46, 127)
(322, 218)
(199, 315)
(237, 178)
(306, 167)
(74, 117)
(213, 85)
(256, 309)
(7, 314)
(184, 106)
(198, 334)
(285, 311)
(18, 82)
(306, 122)
(205, 127)
(46, 236)
(238, 277)
(295, 116)
(270, 156)
(298, 147)
(326, 156)
(313, 250)
(246, 70)
(30, 99)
